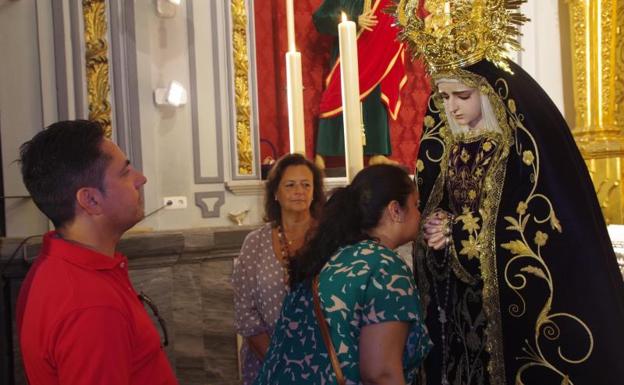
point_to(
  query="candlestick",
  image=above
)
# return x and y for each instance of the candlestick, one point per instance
(350, 86)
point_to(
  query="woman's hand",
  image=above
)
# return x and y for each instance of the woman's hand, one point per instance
(437, 229)
(367, 20)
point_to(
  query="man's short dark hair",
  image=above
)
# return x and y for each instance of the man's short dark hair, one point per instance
(59, 161)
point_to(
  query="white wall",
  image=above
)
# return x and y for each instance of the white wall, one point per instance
(163, 49)
(22, 68)
(541, 56)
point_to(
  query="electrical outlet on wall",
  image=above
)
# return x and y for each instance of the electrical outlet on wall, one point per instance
(174, 203)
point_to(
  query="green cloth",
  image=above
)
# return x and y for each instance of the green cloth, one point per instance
(363, 284)
(330, 135)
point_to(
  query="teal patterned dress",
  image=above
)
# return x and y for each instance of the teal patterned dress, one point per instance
(362, 284)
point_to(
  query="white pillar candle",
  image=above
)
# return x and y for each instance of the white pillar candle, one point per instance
(290, 25)
(350, 86)
(294, 86)
(294, 90)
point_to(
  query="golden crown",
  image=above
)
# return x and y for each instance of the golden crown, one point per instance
(454, 34)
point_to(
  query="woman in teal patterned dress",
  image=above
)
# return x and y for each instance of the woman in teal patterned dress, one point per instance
(367, 292)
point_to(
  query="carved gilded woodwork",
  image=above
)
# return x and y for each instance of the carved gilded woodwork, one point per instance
(96, 55)
(597, 65)
(241, 88)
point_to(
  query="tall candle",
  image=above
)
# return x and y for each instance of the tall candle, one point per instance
(294, 86)
(290, 25)
(350, 85)
(294, 91)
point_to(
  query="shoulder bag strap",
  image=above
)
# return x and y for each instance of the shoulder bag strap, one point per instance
(318, 311)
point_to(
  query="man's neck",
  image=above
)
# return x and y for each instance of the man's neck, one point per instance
(98, 241)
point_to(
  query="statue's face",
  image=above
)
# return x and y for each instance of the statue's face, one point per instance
(462, 103)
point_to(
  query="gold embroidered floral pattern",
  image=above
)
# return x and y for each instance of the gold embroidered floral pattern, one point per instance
(420, 166)
(471, 223)
(429, 121)
(527, 157)
(522, 206)
(467, 166)
(528, 260)
(465, 157)
(470, 247)
(540, 238)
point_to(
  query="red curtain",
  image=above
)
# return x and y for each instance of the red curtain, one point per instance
(271, 45)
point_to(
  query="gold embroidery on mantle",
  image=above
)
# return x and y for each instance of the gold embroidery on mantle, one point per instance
(241, 88)
(98, 88)
(527, 252)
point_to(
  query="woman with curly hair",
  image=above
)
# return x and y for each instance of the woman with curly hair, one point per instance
(293, 198)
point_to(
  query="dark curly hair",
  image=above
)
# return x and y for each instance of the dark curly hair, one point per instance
(349, 214)
(272, 208)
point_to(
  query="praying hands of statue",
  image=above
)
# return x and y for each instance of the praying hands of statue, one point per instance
(437, 229)
(367, 20)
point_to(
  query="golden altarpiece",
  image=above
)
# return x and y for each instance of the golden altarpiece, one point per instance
(597, 45)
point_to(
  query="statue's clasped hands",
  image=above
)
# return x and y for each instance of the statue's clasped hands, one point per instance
(437, 229)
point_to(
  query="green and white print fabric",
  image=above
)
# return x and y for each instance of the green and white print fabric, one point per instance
(362, 284)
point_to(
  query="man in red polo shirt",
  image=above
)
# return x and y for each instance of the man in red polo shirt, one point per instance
(79, 319)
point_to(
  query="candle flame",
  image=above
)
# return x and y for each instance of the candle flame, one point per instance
(344, 17)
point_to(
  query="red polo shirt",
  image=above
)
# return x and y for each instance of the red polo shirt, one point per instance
(80, 321)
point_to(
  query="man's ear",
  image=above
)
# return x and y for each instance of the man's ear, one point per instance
(89, 200)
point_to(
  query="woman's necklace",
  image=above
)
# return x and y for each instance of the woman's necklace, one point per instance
(284, 245)
(285, 251)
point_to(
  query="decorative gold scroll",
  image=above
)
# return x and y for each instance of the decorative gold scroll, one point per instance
(241, 87)
(98, 88)
(597, 29)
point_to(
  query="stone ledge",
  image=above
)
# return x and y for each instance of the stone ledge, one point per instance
(157, 248)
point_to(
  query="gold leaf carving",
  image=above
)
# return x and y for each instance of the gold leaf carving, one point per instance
(241, 87)
(596, 30)
(96, 57)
